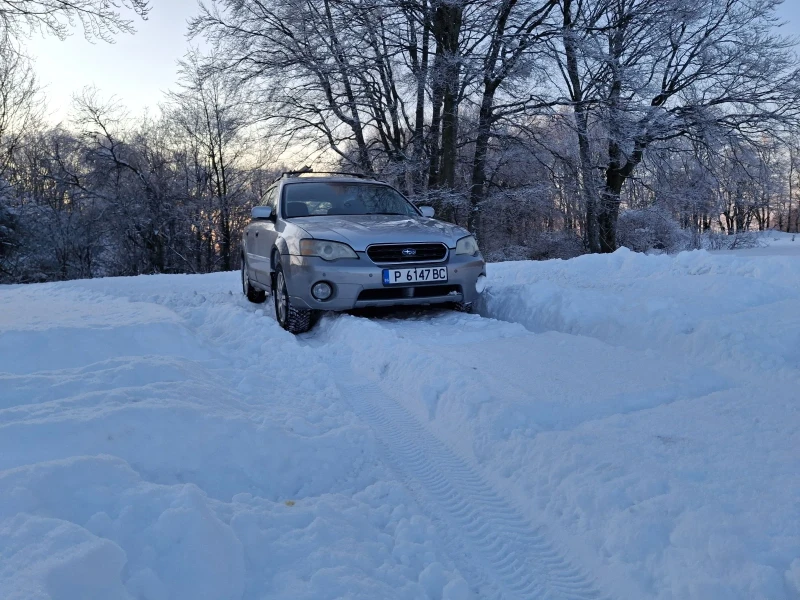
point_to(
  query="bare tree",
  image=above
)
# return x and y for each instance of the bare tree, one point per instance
(300, 56)
(20, 109)
(20, 100)
(210, 111)
(791, 212)
(99, 19)
(517, 27)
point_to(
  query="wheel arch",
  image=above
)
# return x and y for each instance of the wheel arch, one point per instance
(278, 249)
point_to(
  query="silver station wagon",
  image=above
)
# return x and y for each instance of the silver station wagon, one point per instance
(339, 242)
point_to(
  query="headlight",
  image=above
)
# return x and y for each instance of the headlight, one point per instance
(467, 245)
(326, 250)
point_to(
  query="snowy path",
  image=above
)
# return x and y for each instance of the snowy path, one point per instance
(495, 548)
(629, 431)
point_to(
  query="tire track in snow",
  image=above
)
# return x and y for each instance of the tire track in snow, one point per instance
(499, 553)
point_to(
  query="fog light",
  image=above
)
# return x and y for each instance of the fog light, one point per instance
(480, 285)
(321, 290)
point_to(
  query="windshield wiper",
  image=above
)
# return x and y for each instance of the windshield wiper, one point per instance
(386, 213)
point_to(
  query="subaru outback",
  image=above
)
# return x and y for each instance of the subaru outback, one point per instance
(338, 242)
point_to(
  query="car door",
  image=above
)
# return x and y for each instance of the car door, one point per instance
(257, 242)
(268, 235)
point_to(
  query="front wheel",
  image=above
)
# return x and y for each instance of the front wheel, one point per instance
(254, 295)
(295, 320)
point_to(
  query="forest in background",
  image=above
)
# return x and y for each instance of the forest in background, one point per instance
(549, 128)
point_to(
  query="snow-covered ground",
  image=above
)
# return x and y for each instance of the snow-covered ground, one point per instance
(620, 427)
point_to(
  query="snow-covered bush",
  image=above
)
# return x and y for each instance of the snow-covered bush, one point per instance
(507, 253)
(555, 244)
(738, 241)
(541, 246)
(651, 229)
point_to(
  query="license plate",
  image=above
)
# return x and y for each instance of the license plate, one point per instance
(417, 275)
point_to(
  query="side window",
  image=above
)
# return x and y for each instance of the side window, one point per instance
(273, 200)
(269, 198)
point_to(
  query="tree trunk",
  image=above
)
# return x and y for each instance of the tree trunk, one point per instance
(791, 190)
(418, 138)
(609, 210)
(437, 96)
(447, 31)
(580, 113)
(447, 167)
(477, 190)
(617, 173)
(587, 180)
(354, 121)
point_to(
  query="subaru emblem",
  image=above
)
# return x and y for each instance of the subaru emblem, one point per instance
(409, 252)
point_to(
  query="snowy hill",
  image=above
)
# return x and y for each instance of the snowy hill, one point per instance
(619, 427)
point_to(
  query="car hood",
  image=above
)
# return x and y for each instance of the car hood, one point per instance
(359, 231)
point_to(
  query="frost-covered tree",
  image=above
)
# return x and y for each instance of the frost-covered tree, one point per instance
(211, 114)
(308, 61)
(549, 127)
(650, 71)
(20, 107)
(788, 217)
(516, 30)
(9, 243)
(99, 19)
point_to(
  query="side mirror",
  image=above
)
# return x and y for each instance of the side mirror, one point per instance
(261, 212)
(427, 211)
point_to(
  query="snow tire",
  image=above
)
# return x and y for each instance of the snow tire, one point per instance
(255, 296)
(292, 319)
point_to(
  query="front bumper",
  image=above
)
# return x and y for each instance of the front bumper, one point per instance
(358, 283)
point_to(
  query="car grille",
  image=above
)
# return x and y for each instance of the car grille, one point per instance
(401, 253)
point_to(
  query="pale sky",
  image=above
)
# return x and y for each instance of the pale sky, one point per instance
(139, 68)
(790, 11)
(136, 69)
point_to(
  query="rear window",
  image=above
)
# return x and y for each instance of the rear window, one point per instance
(314, 198)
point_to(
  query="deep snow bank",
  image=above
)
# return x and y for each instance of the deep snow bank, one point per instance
(716, 307)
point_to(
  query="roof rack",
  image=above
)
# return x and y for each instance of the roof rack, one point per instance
(309, 171)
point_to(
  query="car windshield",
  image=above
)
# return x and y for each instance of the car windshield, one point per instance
(313, 198)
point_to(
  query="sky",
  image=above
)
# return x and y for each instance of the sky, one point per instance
(790, 12)
(138, 69)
